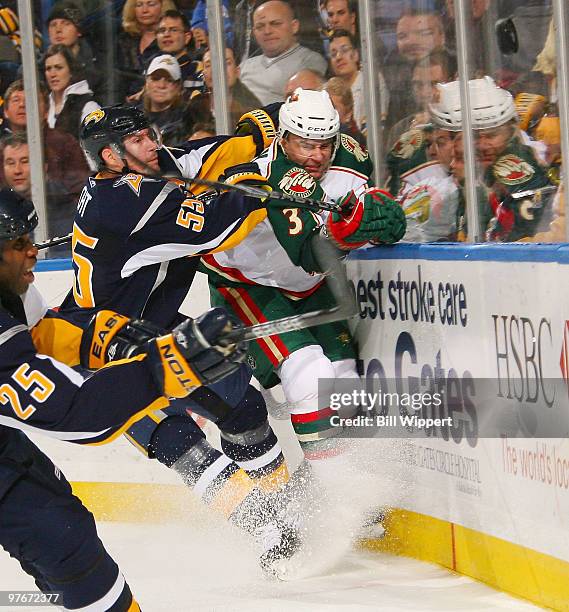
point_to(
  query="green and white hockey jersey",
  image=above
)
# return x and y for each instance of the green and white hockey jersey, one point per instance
(277, 252)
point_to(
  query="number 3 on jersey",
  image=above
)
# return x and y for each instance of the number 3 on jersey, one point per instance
(83, 281)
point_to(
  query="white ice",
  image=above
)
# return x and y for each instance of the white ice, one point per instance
(204, 565)
(174, 568)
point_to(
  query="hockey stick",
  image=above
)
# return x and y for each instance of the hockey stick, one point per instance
(288, 324)
(52, 242)
(257, 192)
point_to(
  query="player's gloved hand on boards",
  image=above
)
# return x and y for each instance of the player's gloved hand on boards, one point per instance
(373, 216)
(196, 353)
(245, 174)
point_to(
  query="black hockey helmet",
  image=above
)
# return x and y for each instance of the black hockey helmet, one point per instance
(17, 215)
(108, 126)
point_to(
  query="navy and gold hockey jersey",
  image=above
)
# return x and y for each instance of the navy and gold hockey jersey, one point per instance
(133, 234)
(40, 394)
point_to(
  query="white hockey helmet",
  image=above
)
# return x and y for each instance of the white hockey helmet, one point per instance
(491, 105)
(310, 114)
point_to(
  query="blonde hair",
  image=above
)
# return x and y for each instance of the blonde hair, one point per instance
(338, 87)
(129, 23)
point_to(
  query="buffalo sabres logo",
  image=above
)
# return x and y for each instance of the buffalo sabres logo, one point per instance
(353, 146)
(132, 180)
(512, 170)
(409, 144)
(94, 116)
(297, 182)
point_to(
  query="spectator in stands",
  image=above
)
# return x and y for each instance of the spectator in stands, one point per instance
(307, 13)
(137, 42)
(10, 44)
(64, 26)
(419, 33)
(66, 164)
(307, 79)
(15, 174)
(241, 100)
(345, 64)
(341, 95)
(483, 50)
(200, 29)
(427, 73)
(342, 15)
(162, 99)
(174, 36)
(70, 98)
(276, 29)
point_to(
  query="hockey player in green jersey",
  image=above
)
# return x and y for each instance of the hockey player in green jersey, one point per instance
(508, 163)
(274, 272)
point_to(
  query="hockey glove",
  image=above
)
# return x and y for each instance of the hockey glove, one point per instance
(373, 216)
(111, 336)
(195, 353)
(246, 174)
(261, 123)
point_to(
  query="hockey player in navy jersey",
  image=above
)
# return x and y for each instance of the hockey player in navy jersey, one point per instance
(132, 236)
(43, 525)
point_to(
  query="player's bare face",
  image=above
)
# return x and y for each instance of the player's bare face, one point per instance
(142, 152)
(18, 260)
(313, 155)
(490, 143)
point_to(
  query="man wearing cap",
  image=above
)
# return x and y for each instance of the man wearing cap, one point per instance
(162, 100)
(64, 25)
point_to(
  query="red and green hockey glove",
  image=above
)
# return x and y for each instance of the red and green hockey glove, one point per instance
(373, 216)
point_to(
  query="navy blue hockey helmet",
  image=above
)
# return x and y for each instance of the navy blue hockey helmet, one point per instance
(108, 126)
(17, 215)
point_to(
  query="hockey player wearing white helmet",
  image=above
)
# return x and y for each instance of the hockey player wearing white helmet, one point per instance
(507, 165)
(275, 272)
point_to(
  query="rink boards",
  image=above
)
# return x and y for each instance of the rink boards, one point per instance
(491, 507)
(489, 502)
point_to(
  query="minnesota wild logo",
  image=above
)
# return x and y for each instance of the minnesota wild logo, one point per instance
(354, 147)
(298, 182)
(512, 170)
(408, 144)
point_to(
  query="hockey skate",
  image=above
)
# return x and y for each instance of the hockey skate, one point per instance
(372, 528)
(279, 543)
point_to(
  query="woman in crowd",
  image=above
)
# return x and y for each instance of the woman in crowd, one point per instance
(70, 98)
(137, 42)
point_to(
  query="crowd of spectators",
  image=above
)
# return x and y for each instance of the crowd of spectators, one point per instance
(155, 54)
